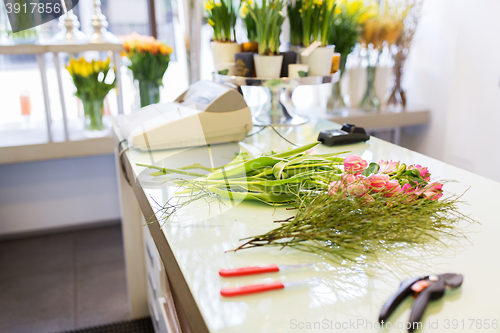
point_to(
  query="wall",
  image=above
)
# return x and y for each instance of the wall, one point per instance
(454, 70)
(57, 194)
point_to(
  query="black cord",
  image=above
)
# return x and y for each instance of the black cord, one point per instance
(281, 136)
(275, 130)
(263, 128)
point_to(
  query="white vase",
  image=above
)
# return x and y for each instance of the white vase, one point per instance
(223, 53)
(268, 67)
(319, 61)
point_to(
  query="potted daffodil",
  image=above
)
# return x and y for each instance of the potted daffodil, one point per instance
(268, 19)
(221, 16)
(317, 19)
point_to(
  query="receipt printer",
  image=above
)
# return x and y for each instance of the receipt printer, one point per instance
(206, 113)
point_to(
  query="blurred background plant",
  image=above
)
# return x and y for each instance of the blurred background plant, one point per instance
(294, 10)
(250, 24)
(149, 59)
(268, 18)
(346, 26)
(93, 83)
(412, 10)
(379, 31)
(222, 17)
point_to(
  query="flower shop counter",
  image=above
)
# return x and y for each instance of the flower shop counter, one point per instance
(193, 243)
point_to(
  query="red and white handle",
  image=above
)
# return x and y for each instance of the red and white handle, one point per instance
(248, 270)
(251, 289)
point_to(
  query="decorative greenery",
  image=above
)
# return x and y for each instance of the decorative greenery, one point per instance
(149, 58)
(351, 228)
(221, 16)
(268, 19)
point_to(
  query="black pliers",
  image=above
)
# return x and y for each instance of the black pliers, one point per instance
(425, 288)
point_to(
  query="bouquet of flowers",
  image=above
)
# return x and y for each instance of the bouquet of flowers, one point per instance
(149, 60)
(92, 84)
(344, 207)
(221, 16)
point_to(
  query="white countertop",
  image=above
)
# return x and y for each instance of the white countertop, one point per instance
(199, 237)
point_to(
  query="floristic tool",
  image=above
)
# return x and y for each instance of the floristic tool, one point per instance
(424, 289)
(258, 288)
(257, 270)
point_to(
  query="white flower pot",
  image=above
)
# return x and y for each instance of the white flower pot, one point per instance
(319, 61)
(268, 67)
(223, 53)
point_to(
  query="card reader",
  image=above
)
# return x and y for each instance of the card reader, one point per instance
(348, 134)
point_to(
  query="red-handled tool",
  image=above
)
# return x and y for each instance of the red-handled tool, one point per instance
(257, 270)
(258, 288)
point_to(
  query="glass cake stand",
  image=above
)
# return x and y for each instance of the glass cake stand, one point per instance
(279, 109)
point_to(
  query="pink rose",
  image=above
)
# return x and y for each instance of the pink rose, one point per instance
(433, 191)
(354, 164)
(424, 172)
(388, 167)
(378, 181)
(393, 188)
(335, 187)
(407, 188)
(359, 186)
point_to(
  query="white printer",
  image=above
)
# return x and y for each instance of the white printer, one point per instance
(206, 113)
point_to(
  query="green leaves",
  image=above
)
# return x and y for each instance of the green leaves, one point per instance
(268, 19)
(275, 179)
(148, 66)
(372, 168)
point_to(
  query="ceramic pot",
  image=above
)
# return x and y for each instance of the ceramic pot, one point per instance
(226, 69)
(268, 67)
(319, 61)
(223, 53)
(297, 70)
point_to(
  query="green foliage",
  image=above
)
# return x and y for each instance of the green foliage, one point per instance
(295, 18)
(148, 66)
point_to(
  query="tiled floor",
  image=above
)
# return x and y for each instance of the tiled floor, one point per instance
(63, 281)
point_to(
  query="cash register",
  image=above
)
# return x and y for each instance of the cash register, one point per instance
(206, 113)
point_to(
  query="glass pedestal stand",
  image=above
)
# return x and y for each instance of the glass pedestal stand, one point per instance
(279, 109)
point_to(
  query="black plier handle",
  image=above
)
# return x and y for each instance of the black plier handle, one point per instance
(435, 290)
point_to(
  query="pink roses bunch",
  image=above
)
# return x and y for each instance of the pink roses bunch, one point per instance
(387, 178)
